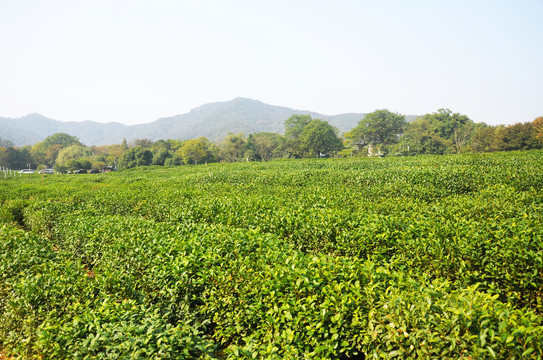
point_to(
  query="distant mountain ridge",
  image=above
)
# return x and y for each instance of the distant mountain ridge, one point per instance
(213, 121)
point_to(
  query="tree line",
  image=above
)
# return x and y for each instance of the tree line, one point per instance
(380, 133)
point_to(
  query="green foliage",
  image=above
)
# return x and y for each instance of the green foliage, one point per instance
(518, 137)
(318, 137)
(196, 151)
(46, 152)
(60, 139)
(232, 148)
(439, 133)
(294, 127)
(538, 127)
(379, 127)
(72, 157)
(135, 156)
(306, 137)
(15, 158)
(146, 143)
(484, 139)
(446, 122)
(160, 156)
(264, 146)
(423, 137)
(98, 165)
(413, 257)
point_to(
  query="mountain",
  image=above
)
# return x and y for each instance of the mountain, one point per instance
(214, 121)
(33, 128)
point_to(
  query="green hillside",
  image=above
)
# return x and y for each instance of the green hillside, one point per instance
(213, 121)
(424, 257)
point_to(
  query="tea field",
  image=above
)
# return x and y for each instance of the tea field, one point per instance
(430, 257)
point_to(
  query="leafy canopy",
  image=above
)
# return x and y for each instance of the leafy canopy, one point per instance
(318, 137)
(378, 127)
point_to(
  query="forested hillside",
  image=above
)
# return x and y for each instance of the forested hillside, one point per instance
(213, 121)
(380, 133)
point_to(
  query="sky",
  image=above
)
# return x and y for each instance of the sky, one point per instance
(134, 62)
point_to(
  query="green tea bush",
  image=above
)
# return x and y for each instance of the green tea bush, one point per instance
(423, 257)
(122, 329)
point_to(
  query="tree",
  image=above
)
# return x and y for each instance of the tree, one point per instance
(98, 165)
(51, 154)
(174, 160)
(135, 156)
(175, 144)
(232, 148)
(70, 165)
(422, 137)
(319, 137)
(61, 139)
(437, 133)
(161, 152)
(294, 127)
(85, 164)
(196, 151)
(295, 124)
(380, 127)
(124, 145)
(72, 152)
(484, 138)
(46, 152)
(3, 157)
(266, 145)
(445, 122)
(113, 153)
(462, 135)
(160, 155)
(15, 158)
(521, 136)
(146, 143)
(538, 127)
(160, 144)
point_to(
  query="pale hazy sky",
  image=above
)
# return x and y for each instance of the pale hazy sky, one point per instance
(136, 61)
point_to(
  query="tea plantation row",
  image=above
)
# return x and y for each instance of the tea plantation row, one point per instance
(427, 257)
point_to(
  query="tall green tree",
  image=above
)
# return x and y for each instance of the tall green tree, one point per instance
(146, 143)
(160, 156)
(484, 138)
(161, 152)
(73, 153)
(463, 134)
(538, 127)
(319, 137)
(196, 151)
(135, 156)
(294, 127)
(12, 157)
(521, 136)
(381, 127)
(422, 137)
(437, 133)
(267, 145)
(447, 123)
(232, 149)
(124, 145)
(46, 151)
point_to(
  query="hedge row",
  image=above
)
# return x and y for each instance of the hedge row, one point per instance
(112, 286)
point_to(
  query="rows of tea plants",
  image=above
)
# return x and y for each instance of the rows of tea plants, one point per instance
(427, 257)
